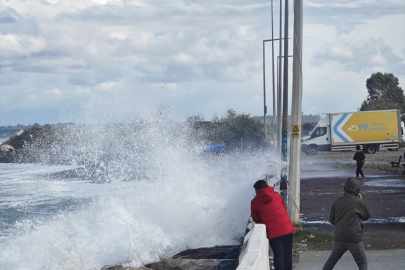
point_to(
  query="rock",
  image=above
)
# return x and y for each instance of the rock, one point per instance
(18, 139)
(6, 151)
(216, 252)
(6, 148)
(19, 142)
(115, 267)
(120, 267)
(191, 264)
(302, 247)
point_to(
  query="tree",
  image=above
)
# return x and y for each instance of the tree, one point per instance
(224, 128)
(233, 123)
(384, 93)
(192, 120)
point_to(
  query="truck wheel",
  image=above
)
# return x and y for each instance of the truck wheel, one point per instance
(313, 150)
(371, 149)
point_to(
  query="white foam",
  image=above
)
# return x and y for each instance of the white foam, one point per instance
(158, 196)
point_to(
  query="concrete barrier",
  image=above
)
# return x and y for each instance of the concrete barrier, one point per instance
(254, 254)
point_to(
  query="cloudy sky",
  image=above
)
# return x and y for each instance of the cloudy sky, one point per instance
(114, 61)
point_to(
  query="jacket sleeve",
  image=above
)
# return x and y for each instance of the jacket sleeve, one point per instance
(255, 214)
(365, 214)
(332, 215)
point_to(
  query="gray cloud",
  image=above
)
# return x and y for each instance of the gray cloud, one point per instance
(168, 51)
(174, 73)
(91, 78)
(361, 57)
(82, 79)
(346, 17)
(11, 22)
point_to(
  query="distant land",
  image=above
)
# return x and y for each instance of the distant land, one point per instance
(304, 118)
(7, 131)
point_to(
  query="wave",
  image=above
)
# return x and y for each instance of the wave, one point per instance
(150, 194)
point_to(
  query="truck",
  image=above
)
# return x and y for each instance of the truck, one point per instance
(372, 130)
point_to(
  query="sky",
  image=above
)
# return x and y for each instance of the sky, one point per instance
(95, 61)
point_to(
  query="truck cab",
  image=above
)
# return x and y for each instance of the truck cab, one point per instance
(318, 139)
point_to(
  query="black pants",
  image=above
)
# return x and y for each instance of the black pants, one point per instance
(359, 171)
(282, 250)
(356, 249)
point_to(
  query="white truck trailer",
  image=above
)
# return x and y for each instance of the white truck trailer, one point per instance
(372, 130)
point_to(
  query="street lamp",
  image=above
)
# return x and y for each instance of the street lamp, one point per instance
(279, 107)
(264, 85)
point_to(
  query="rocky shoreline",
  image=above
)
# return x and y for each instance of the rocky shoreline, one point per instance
(12, 150)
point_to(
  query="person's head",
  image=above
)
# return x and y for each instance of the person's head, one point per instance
(352, 186)
(260, 184)
(357, 147)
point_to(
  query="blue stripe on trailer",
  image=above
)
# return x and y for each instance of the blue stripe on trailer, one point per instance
(335, 127)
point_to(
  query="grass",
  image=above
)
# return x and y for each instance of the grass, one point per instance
(301, 236)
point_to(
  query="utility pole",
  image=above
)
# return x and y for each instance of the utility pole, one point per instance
(279, 91)
(264, 81)
(264, 85)
(294, 175)
(283, 182)
(264, 91)
(274, 89)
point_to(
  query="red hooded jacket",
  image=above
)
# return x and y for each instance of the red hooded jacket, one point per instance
(269, 209)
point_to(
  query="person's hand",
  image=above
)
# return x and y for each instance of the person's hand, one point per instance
(360, 196)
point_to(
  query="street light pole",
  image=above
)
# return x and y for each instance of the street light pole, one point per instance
(279, 107)
(264, 86)
(283, 182)
(264, 91)
(274, 90)
(279, 91)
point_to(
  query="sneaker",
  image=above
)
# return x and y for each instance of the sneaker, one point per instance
(363, 178)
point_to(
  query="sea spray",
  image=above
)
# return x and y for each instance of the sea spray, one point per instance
(144, 192)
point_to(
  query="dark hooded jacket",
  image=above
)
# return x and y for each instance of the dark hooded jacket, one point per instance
(269, 209)
(347, 213)
(359, 157)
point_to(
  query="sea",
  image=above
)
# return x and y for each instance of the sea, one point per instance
(122, 194)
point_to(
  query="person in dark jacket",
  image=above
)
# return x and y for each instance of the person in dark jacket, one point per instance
(269, 209)
(346, 215)
(359, 157)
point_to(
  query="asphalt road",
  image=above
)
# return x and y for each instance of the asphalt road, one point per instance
(322, 179)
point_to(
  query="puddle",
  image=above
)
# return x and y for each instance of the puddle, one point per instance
(385, 183)
(315, 222)
(385, 220)
(372, 220)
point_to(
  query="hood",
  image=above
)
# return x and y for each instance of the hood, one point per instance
(305, 138)
(264, 194)
(352, 186)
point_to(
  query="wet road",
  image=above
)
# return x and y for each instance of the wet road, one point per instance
(384, 193)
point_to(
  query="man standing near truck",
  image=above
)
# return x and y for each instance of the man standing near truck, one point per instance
(359, 157)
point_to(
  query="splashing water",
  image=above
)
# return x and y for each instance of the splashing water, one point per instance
(143, 191)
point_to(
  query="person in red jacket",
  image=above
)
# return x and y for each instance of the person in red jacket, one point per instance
(359, 157)
(269, 209)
